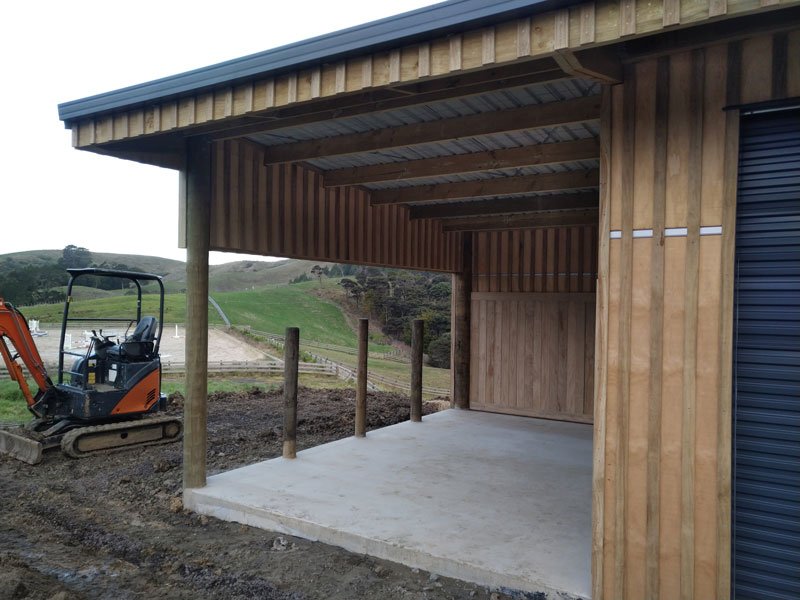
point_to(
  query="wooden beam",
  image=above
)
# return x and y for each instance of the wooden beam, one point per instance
(291, 354)
(197, 186)
(731, 30)
(361, 379)
(599, 64)
(499, 186)
(461, 304)
(381, 99)
(540, 154)
(417, 335)
(549, 219)
(576, 201)
(552, 114)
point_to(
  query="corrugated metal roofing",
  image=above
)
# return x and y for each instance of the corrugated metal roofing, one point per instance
(444, 109)
(497, 141)
(434, 111)
(438, 19)
(582, 165)
(465, 202)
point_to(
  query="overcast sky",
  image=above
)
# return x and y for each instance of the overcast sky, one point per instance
(52, 52)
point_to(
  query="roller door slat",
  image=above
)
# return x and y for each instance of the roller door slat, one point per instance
(766, 372)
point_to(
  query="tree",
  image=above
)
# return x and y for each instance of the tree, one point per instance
(75, 257)
(353, 289)
(439, 351)
(318, 272)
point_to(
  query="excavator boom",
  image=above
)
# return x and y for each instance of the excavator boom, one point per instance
(14, 327)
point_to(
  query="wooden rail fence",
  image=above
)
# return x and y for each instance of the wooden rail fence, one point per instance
(275, 338)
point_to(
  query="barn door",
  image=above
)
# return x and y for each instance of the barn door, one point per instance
(766, 376)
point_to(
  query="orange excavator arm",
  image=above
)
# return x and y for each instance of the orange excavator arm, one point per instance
(14, 328)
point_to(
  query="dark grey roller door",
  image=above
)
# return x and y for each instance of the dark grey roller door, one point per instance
(766, 376)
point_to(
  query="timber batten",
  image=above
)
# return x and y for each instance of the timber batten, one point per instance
(672, 463)
(284, 210)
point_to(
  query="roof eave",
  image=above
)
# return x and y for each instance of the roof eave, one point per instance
(406, 28)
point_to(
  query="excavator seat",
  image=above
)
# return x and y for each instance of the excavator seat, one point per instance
(139, 345)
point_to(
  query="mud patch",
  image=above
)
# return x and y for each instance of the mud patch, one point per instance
(113, 526)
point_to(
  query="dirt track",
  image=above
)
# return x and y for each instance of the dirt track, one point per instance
(221, 345)
(113, 527)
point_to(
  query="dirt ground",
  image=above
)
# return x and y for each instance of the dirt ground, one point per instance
(113, 526)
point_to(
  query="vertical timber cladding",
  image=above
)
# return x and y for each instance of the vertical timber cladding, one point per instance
(283, 210)
(766, 366)
(533, 322)
(662, 487)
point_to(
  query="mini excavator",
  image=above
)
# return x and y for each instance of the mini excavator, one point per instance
(108, 398)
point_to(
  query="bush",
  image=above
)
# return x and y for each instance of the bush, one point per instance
(439, 351)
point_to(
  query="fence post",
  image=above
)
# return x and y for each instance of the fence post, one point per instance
(291, 354)
(361, 387)
(417, 333)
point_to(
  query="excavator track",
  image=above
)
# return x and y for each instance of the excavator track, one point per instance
(99, 439)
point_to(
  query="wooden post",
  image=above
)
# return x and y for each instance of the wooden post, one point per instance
(361, 388)
(460, 319)
(196, 185)
(417, 333)
(291, 356)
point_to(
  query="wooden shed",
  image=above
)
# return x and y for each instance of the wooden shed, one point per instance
(615, 187)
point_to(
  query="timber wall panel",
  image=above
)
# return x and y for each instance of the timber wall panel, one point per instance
(283, 210)
(531, 352)
(556, 259)
(664, 529)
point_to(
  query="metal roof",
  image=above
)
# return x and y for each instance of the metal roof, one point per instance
(438, 19)
(489, 102)
(579, 165)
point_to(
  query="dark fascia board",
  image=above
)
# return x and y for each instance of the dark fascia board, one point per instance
(406, 28)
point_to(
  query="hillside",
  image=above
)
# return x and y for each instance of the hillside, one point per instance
(116, 306)
(237, 275)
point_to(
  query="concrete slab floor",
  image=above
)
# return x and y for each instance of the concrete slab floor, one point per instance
(493, 499)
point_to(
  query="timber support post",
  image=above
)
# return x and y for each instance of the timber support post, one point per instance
(417, 335)
(462, 290)
(291, 357)
(361, 388)
(196, 192)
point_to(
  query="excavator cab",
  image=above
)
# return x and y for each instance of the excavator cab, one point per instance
(108, 392)
(119, 374)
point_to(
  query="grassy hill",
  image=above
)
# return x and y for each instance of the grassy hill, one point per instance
(248, 275)
(233, 276)
(116, 306)
(274, 308)
(151, 264)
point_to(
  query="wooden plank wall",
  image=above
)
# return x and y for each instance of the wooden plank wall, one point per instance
(532, 335)
(557, 259)
(662, 488)
(283, 210)
(532, 354)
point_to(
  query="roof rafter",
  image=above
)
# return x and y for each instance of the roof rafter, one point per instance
(540, 154)
(576, 201)
(551, 114)
(569, 218)
(499, 186)
(381, 99)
